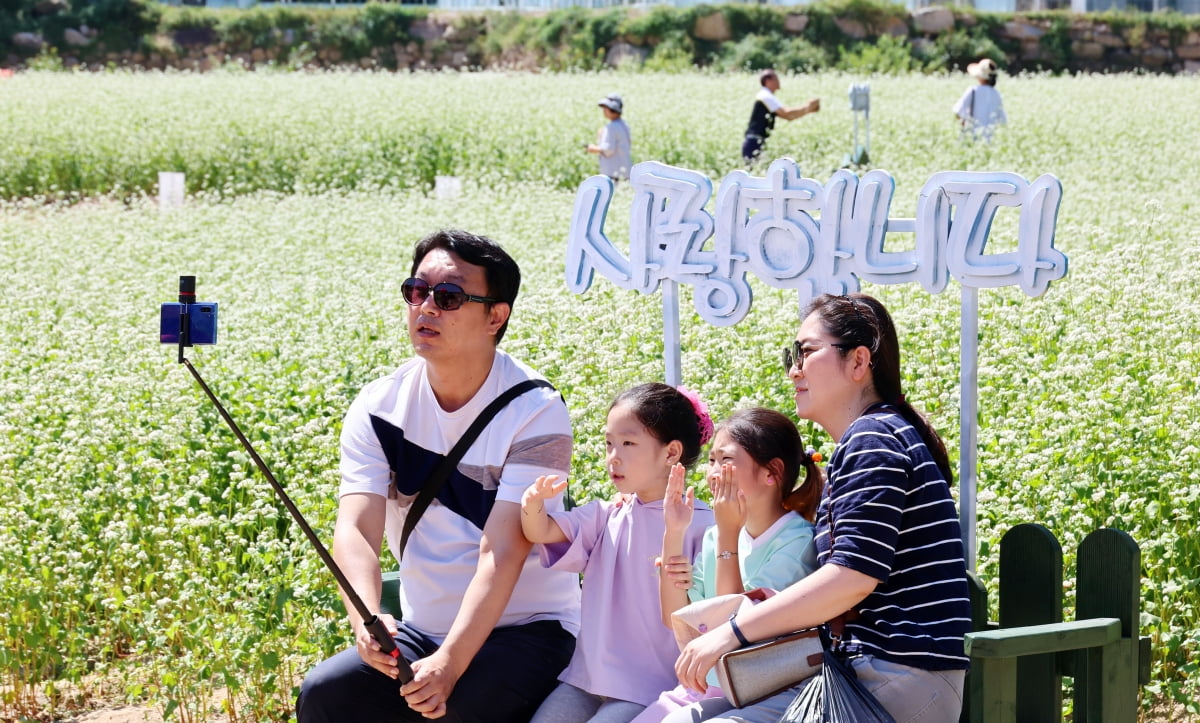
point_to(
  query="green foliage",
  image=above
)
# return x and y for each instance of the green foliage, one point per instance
(659, 22)
(576, 37)
(1056, 45)
(888, 55)
(573, 38)
(172, 573)
(956, 49)
(193, 18)
(344, 32)
(385, 23)
(774, 50)
(875, 15)
(674, 53)
(120, 23)
(746, 20)
(260, 27)
(47, 61)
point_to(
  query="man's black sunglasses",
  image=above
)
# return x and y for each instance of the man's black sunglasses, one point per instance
(446, 296)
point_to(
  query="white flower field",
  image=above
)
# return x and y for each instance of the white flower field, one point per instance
(143, 557)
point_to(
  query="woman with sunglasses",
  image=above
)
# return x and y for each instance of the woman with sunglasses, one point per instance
(893, 573)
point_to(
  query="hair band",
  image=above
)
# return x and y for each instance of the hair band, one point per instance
(703, 420)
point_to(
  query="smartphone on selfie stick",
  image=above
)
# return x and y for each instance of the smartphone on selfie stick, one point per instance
(189, 323)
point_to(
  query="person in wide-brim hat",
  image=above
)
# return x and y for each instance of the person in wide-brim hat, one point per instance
(980, 109)
(984, 70)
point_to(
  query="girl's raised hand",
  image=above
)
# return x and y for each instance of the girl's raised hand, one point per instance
(729, 503)
(678, 504)
(543, 488)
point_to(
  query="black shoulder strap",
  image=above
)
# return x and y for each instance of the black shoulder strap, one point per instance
(442, 472)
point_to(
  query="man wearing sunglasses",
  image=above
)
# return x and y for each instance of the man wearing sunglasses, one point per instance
(487, 628)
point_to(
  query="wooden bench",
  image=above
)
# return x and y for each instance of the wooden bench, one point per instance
(390, 601)
(1018, 663)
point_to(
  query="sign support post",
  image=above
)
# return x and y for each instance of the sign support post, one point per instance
(968, 419)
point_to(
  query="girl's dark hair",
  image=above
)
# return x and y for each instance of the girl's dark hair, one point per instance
(501, 271)
(767, 435)
(861, 320)
(666, 414)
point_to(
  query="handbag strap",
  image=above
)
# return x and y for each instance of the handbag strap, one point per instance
(442, 472)
(835, 629)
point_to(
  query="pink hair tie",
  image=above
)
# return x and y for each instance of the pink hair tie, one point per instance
(703, 420)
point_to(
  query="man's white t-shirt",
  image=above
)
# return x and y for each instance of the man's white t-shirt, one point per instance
(768, 99)
(396, 423)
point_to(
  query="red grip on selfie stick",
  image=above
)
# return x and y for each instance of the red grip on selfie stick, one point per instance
(380, 632)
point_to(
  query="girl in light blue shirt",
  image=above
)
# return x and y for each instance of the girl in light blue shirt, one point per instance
(764, 532)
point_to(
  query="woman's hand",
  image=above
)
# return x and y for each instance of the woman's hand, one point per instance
(729, 503)
(701, 655)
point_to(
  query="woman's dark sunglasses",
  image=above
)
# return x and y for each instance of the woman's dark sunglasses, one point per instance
(446, 296)
(795, 354)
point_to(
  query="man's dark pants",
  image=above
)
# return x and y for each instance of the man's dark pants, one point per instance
(751, 147)
(513, 672)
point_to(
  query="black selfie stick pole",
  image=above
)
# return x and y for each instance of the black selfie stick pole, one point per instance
(373, 624)
(187, 297)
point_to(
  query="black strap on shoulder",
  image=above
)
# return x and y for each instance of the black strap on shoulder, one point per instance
(442, 472)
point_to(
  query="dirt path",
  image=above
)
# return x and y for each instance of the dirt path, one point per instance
(127, 714)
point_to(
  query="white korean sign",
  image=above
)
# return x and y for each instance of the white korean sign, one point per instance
(795, 233)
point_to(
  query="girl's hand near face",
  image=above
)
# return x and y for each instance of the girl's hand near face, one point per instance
(678, 504)
(675, 573)
(729, 503)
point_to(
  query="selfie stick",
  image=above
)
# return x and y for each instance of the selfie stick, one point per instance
(374, 626)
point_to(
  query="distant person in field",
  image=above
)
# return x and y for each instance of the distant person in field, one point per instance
(980, 109)
(766, 108)
(613, 143)
(487, 628)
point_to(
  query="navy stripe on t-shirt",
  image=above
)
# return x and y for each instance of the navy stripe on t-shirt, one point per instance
(892, 518)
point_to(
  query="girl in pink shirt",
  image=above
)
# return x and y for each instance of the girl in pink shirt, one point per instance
(623, 658)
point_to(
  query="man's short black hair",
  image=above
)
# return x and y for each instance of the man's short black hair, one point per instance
(766, 75)
(500, 270)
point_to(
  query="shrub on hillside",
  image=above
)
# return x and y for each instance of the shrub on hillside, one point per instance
(773, 50)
